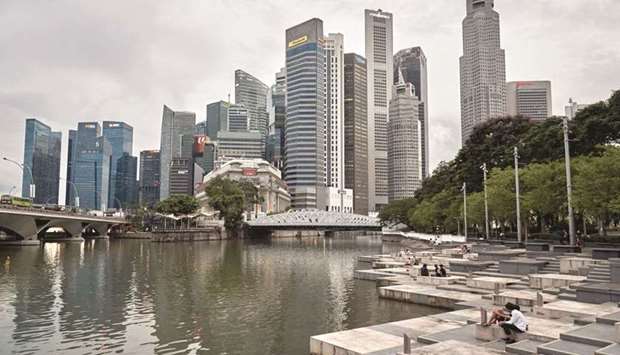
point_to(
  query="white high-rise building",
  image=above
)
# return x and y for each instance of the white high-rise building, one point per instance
(379, 61)
(572, 108)
(336, 196)
(404, 142)
(530, 99)
(482, 66)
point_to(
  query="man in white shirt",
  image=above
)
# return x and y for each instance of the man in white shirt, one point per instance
(516, 324)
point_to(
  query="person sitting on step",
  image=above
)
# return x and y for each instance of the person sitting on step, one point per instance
(517, 323)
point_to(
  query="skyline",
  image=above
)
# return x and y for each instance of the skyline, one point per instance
(113, 96)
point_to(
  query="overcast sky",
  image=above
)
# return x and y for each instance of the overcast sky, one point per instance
(67, 61)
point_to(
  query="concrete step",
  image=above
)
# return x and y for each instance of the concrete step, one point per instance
(595, 334)
(610, 319)
(551, 291)
(598, 279)
(564, 347)
(524, 347)
(567, 296)
(498, 274)
(599, 273)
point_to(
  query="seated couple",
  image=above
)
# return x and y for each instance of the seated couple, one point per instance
(511, 320)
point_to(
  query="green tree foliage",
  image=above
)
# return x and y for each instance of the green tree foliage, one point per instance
(597, 185)
(227, 196)
(397, 212)
(541, 152)
(178, 205)
(250, 193)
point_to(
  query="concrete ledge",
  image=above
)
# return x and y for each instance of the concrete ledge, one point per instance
(598, 292)
(469, 266)
(561, 249)
(605, 253)
(498, 255)
(521, 297)
(489, 283)
(521, 266)
(542, 281)
(435, 281)
(537, 246)
(426, 296)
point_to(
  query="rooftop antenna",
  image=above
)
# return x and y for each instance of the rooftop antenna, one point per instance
(229, 98)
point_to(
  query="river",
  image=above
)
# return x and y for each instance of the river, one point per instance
(229, 297)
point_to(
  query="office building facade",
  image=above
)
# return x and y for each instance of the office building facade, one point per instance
(334, 125)
(71, 153)
(274, 150)
(149, 177)
(217, 118)
(175, 125)
(356, 131)
(239, 145)
(252, 94)
(126, 189)
(238, 118)
(92, 172)
(181, 176)
(120, 137)
(304, 167)
(530, 99)
(410, 64)
(572, 108)
(41, 164)
(482, 67)
(379, 68)
(404, 143)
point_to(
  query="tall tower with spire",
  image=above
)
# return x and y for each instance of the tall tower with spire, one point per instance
(482, 66)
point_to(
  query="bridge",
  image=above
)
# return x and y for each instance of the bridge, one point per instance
(314, 220)
(28, 224)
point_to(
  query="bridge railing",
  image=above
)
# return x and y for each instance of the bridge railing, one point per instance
(59, 213)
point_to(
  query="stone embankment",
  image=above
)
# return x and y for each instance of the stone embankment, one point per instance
(569, 309)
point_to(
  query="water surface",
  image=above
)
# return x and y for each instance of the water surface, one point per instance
(230, 297)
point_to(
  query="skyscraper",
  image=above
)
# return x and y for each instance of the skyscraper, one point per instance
(530, 99)
(126, 188)
(120, 137)
(217, 118)
(71, 153)
(237, 145)
(149, 177)
(175, 124)
(200, 128)
(41, 162)
(356, 131)
(334, 125)
(305, 114)
(404, 143)
(482, 66)
(92, 170)
(274, 150)
(379, 68)
(410, 63)
(252, 93)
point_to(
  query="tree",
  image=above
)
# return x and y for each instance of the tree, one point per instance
(178, 205)
(227, 197)
(544, 191)
(251, 194)
(501, 195)
(397, 212)
(597, 185)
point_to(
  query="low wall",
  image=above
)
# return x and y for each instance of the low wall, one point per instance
(189, 235)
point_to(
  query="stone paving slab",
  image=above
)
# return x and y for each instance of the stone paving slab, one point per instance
(574, 309)
(595, 334)
(611, 318)
(464, 334)
(613, 349)
(524, 347)
(429, 296)
(521, 297)
(559, 347)
(453, 347)
(541, 281)
(489, 283)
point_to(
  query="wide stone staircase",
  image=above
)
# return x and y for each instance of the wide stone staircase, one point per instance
(599, 272)
(598, 338)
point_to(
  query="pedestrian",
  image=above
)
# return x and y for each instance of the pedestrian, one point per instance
(442, 271)
(424, 270)
(437, 273)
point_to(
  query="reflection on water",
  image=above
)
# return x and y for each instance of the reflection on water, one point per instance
(235, 297)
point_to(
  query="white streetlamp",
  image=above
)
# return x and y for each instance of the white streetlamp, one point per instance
(486, 204)
(516, 156)
(569, 185)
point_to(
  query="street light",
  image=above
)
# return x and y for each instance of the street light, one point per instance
(486, 204)
(32, 189)
(569, 186)
(464, 189)
(76, 198)
(516, 156)
(11, 190)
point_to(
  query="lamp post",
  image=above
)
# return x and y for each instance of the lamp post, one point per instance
(32, 187)
(76, 198)
(569, 186)
(11, 190)
(516, 156)
(465, 209)
(486, 204)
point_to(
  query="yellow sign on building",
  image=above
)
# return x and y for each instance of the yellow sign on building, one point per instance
(297, 41)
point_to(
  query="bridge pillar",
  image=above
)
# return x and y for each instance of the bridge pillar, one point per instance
(24, 227)
(102, 230)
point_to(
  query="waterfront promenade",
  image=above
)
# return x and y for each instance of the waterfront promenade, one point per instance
(570, 298)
